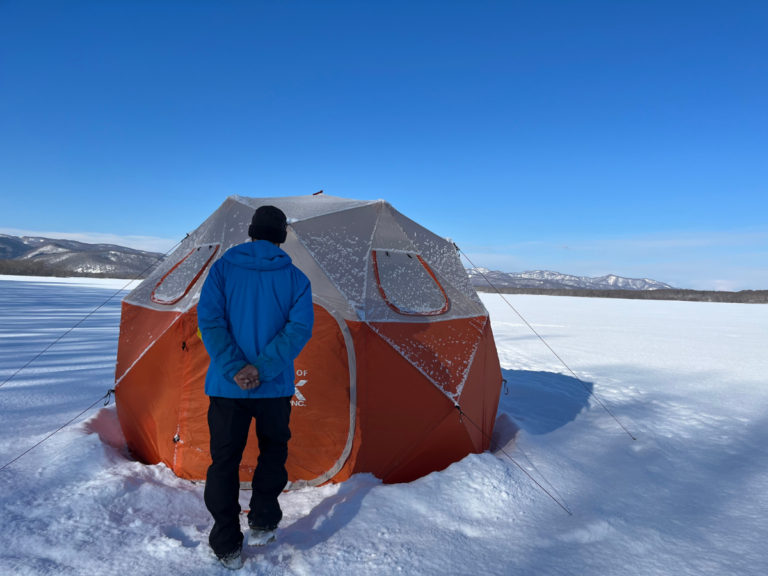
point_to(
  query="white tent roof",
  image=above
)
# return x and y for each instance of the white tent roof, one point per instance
(365, 260)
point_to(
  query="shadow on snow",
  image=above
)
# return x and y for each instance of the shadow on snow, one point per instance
(538, 403)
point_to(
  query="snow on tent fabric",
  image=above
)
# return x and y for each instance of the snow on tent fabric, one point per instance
(400, 338)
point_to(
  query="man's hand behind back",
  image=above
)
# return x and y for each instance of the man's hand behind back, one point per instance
(248, 377)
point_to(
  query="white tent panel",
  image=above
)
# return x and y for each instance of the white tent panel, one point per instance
(334, 241)
(305, 207)
(341, 243)
(441, 255)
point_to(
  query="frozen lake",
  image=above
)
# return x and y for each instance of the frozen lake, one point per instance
(690, 496)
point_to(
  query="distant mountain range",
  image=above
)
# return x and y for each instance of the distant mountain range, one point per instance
(556, 280)
(48, 256)
(51, 257)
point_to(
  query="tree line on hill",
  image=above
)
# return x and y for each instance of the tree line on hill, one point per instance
(742, 297)
(39, 256)
(33, 268)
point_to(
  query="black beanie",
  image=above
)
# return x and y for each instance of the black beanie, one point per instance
(269, 223)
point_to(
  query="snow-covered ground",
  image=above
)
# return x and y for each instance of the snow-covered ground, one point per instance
(690, 496)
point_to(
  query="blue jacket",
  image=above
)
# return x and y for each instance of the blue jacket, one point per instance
(255, 308)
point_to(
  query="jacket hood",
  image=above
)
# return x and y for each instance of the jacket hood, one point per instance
(258, 255)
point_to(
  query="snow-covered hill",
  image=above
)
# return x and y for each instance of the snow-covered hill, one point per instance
(546, 279)
(689, 497)
(73, 256)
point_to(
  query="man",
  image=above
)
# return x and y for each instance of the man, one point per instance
(255, 316)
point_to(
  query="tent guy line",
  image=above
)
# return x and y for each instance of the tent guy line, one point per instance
(106, 399)
(545, 343)
(91, 313)
(109, 393)
(463, 414)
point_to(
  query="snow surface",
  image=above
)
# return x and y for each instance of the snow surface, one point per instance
(690, 496)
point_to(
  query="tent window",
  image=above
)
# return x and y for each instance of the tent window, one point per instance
(180, 279)
(408, 285)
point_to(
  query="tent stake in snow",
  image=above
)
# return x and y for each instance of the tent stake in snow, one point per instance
(545, 343)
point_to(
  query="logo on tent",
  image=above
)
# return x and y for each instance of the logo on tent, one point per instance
(299, 396)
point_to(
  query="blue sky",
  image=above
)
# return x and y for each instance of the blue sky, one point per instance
(582, 137)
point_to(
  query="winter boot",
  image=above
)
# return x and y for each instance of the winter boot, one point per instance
(233, 561)
(261, 536)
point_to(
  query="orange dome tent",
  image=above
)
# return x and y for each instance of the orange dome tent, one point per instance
(400, 338)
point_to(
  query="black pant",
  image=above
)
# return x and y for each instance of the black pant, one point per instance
(229, 420)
